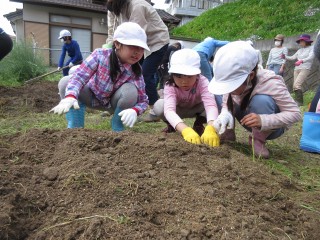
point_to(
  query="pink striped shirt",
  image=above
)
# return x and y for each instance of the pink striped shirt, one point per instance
(174, 96)
(268, 83)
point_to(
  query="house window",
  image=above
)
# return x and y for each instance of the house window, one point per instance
(201, 4)
(193, 3)
(70, 20)
(180, 3)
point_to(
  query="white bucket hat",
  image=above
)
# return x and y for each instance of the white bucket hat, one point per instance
(232, 63)
(130, 33)
(185, 61)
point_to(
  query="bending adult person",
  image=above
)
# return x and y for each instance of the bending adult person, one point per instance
(259, 100)
(71, 47)
(206, 49)
(142, 13)
(5, 44)
(304, 59)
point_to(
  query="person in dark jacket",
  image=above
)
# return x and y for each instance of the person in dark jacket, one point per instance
(5, 44)
(71, 47)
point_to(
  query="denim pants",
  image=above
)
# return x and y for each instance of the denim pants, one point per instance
(275, 68)
(149, 68)
(206, 70)
(260, 104)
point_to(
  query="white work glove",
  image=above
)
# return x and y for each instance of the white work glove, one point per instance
(224, 120)
(58, 68)
(71, 65)
(65, 105)
(128, 117)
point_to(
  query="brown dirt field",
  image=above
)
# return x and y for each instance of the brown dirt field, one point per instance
(88, 184)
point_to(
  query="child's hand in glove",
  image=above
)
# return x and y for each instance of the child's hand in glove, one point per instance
(210, 137)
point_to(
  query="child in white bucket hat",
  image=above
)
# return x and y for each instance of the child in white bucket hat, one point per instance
(109, 80)
(186, 95)
(259, 99)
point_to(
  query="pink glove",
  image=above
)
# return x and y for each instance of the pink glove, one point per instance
(282, 56)
(297, 63)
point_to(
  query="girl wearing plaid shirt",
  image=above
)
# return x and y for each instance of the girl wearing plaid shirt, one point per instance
(109, 79)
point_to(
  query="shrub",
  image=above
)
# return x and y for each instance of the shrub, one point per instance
(21, 64)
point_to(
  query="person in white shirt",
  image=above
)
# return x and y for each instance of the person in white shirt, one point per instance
(304, 59)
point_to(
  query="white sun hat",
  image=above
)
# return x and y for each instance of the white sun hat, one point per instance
(185, 61)
(64, 33)
(130, 33)
(232, 63)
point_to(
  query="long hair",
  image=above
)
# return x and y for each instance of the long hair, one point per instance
(246, 99)
(115, 67)
(119, 5)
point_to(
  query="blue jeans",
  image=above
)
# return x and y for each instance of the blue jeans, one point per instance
(260, 104)
(206, 70)
(205, 67)
(275, 68)
(149, 68)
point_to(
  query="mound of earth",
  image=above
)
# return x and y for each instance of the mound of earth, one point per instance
(86, 184)
(38, 97)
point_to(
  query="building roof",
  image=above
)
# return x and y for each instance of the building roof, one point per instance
(93, 5)
(167, 17)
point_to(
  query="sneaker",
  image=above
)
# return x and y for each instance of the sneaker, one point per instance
(150, 118)
(168, 129)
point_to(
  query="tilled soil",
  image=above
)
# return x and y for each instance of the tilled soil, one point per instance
(88, 184)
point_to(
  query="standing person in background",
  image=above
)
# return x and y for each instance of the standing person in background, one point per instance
(206, 49)
(276, 61)
(110, 80)
(5, 44)
(259, 99)
(71, 47)
(186, 95)
(142, 13)
(315, 104)
(304, 59)
(164, 66)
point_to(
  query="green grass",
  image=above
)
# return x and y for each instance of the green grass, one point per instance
(21, 64)
(254, 19)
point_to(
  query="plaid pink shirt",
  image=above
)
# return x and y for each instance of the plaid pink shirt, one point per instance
(95, 71)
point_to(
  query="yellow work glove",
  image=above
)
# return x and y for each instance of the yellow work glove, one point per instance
(190, 135)
(210, 137)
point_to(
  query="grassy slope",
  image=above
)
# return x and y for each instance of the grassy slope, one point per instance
(245, 18)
